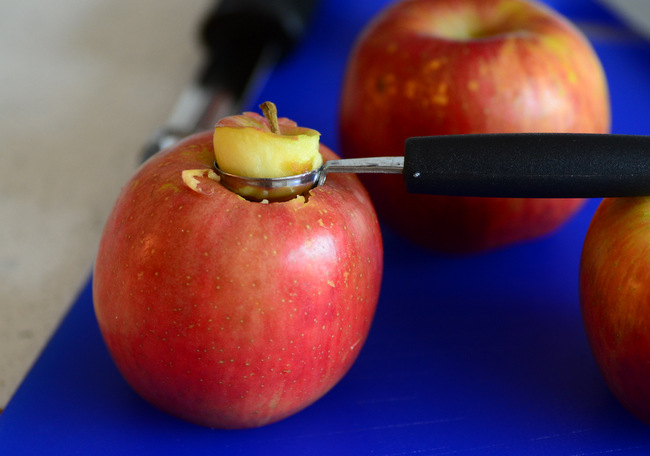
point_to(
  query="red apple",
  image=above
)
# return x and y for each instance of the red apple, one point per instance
(615, 298)
(437, 67)
(230, 313)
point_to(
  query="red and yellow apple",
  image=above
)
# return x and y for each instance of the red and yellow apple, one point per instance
(226, 312)
(615, 298)
(437, 67)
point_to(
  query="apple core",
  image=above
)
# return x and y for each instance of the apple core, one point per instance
(250, 145)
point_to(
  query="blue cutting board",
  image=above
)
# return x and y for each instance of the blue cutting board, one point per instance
(482, 355)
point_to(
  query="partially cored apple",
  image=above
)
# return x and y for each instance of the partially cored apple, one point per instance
(226, 312)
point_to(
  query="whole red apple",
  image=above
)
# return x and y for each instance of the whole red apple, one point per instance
(615, 298)
(436, 67)
(230, 313)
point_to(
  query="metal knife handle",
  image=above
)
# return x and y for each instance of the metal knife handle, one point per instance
(529, 165)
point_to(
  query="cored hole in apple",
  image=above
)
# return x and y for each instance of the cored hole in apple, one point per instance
(203, 181)
(255, 197)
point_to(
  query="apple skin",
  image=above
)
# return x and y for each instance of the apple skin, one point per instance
(437, 67)
(229, 313)
(615, 298)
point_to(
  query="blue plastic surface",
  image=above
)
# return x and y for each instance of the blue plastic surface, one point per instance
(482, 355)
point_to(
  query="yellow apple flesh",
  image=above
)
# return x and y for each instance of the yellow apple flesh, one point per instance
(246, 145)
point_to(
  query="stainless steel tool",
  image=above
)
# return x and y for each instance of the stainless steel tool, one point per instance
(523, 165)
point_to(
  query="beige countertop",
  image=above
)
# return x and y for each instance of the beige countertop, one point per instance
(82, 86)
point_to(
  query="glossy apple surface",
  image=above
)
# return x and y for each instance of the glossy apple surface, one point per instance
(229, 313)
(615, 298)
(437, 67)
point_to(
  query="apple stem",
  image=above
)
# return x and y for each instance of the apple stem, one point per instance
(271, 114)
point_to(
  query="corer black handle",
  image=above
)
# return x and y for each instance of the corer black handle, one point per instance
(529, 165)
